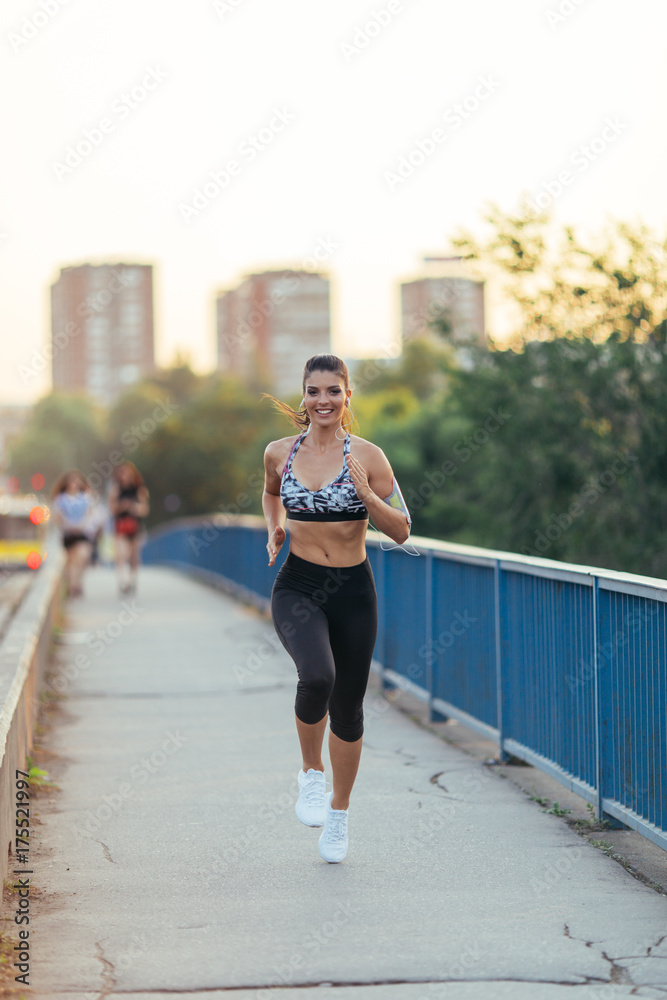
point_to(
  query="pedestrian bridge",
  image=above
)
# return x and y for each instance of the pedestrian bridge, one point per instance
(169, 860)
(564, 666)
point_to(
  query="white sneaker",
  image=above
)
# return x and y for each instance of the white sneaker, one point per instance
(310, 805)
(333, 839)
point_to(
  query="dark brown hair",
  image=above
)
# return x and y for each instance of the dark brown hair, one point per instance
(318, 363)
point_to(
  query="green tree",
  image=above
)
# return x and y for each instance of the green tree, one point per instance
(420, 371)
(208, 453)
(64, 431)
(572, 466)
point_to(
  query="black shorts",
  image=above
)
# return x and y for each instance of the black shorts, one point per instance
(73, 538)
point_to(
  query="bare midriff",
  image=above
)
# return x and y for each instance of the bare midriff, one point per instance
(329, 543)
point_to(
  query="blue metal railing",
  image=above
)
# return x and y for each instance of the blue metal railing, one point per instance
(565, 666)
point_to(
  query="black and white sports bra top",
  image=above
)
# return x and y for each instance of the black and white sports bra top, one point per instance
(336, 502)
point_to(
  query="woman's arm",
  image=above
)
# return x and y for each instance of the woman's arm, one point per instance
(141, 507)
(57, 513)
(112, 499)
(373, 484)
(272, 505)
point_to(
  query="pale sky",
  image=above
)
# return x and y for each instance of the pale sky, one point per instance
(342, 91)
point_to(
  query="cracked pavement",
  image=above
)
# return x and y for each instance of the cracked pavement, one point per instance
(170, 862)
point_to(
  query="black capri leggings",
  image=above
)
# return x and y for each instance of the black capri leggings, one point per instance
(326, 618)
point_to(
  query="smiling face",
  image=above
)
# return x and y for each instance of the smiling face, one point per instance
(324, 396)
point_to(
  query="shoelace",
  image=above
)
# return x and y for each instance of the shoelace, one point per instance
(314, 792)
(336, 827)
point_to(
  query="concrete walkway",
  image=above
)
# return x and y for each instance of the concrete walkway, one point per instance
(171, 861)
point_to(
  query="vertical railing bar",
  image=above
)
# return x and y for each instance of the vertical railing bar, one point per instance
(382, 637)
(662, 644)
(596, 696)
(428, 631)
(621, 788)
(499, 679)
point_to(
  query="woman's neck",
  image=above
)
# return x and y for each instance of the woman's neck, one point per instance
(324, 438)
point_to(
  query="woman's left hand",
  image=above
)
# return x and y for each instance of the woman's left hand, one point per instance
(359, 478)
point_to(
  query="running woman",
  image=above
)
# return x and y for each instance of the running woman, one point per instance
(328, 483)
(73, 510)
(128, 503)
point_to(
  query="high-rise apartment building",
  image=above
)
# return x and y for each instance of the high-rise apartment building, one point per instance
(102, 328)
(458, 299)
(271, 324)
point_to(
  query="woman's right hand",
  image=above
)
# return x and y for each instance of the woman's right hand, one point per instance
(275, 543)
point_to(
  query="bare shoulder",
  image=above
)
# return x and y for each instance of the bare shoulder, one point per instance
(369, 454)
(277, 452)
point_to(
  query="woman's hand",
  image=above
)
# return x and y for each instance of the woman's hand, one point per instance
(359, 478)
(275, 543)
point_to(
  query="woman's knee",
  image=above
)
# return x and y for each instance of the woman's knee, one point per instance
(312, 696)
(316, 686)
(347, 726)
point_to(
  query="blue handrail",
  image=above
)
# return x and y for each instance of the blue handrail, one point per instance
(564, 665)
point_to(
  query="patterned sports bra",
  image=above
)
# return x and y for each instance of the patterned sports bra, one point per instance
(336, 502)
